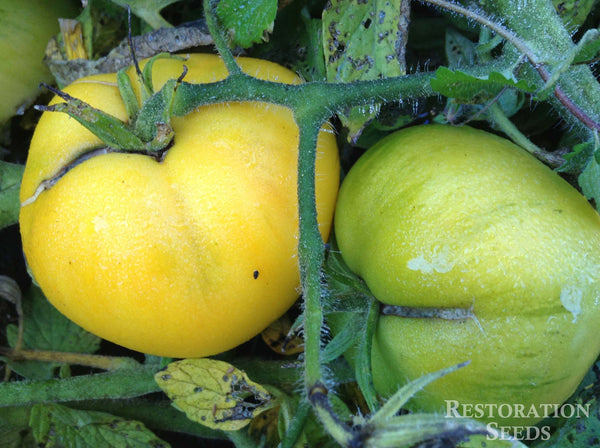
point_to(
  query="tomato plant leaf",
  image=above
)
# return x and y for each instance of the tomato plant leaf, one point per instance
(247, 21)
(345, 339)
(414, 429)
(312, 65)
(363, 368)
(573, 12)
(59, 426)
(577, 432)
(10, 183)
(265, 426)
(578, 158)
(589, 181)
(405, 393)
(589, 51)
(213, 393)
(363, 41)
(14, 428)
(469, 89)
(45, 328)
(460, 51)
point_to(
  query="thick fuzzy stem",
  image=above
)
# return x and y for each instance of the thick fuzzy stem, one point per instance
(310, 252)
(535, 31)
(537, 24)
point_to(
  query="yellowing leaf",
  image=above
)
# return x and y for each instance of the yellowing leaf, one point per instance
(265, 426)
(213, 393)
(72, 33)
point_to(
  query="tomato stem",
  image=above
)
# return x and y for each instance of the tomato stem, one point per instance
(82, 359)
(521, 29)
(218, 38)
(121, 383)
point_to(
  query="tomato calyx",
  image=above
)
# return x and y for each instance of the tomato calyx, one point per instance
(148, 129)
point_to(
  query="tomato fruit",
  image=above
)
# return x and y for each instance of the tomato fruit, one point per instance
(25, 28)
(185, 257)
(445, 218)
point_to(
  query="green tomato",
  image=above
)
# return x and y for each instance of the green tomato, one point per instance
(25, 28)
(443, 217)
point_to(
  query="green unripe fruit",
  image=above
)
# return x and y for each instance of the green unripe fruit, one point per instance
(444, 217)
(26, 26)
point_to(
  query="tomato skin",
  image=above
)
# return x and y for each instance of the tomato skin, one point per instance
(188, 257)
(441, 217)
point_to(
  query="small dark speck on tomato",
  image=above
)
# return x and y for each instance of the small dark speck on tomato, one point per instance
(255, 275)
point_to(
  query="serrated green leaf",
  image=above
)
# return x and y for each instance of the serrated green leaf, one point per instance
(247, 21)
(468, 89)
(57, 426)
(47, 329)
(363, 41)
(578, 159)
(10, 183)
(213, 393)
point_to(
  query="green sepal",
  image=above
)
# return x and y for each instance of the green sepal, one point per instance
(153, 121)
(112, 131)
(128, 95)
(145, 76)
(149, 128)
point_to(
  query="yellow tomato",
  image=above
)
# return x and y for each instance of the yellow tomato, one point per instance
(186, 257)
(443, 217)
